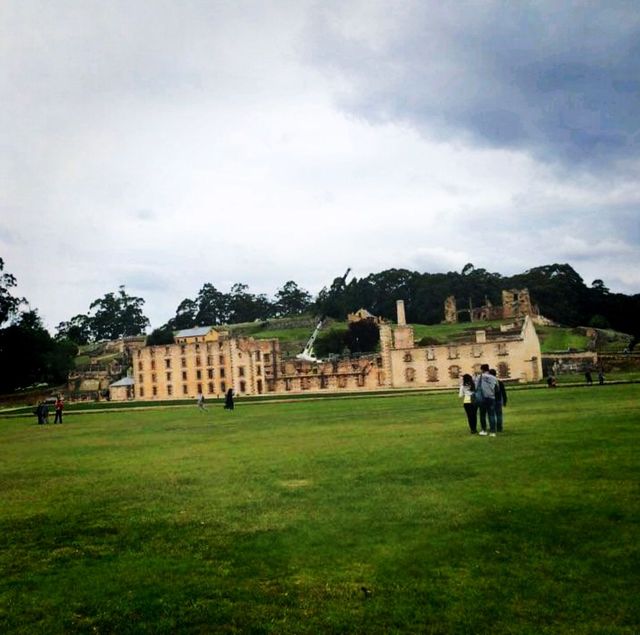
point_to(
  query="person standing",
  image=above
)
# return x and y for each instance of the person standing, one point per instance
(601, 376)
(201, 405)
(588, 378)
(228, 400)
(501, 400)
(58, 408)
(467, 390)
(486, 385)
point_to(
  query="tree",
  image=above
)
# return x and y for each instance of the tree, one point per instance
(598, 285)
(117, 315)
(212, 306)
(161, 335)
(291, 300)
(599, 322)
(28, 354)
(185, 317)
(77, 329)
(330, 342)
(246, 307)
(8, 304)
(362, 336)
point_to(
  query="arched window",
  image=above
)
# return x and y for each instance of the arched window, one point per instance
(409, 374)
(454, 372)
(432, 373)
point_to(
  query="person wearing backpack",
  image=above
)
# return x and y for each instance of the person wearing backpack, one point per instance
(501, 400)
(486, 400)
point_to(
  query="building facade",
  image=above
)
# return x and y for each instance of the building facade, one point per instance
(209, 361)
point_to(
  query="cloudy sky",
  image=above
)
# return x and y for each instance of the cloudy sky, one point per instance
(162, 144)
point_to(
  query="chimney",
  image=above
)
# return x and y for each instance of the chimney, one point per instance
(402, 320)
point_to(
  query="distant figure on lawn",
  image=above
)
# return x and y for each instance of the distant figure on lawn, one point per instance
(228, 400)
(486, 387)
(58, 407)
(467, 390)
(201, 405)
(551, 382)
(601, 377)
(588, 378)
(42, 412)
(501, 400)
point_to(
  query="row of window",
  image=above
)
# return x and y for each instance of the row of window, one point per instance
(210, 348)
(169, 375)
(185, 389)
(183, 362)
(455, 372)
(454, 353)
(306, 382)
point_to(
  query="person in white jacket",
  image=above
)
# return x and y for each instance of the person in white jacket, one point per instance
(467, 390)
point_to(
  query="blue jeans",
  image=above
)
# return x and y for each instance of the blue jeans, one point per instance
(488, 406)
(499, 415)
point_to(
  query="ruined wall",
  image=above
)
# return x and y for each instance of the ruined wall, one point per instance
(516, 303)
(450, 310)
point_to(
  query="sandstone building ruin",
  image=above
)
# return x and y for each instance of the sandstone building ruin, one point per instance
(516, 303)
(209, 361)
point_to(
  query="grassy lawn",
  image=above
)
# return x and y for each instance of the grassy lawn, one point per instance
(555, 338)
(272, 518)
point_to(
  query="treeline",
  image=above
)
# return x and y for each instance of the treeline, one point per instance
(28, 353)
(557, 289)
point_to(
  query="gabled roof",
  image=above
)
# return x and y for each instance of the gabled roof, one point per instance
(125, 381)
(194, 332)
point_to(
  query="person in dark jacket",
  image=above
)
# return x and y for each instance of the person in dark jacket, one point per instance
(228, 400)
(501, 400)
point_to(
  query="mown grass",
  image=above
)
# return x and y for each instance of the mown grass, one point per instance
(556, 338)
(272, 519)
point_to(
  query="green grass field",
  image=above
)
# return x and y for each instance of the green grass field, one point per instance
(272, 518)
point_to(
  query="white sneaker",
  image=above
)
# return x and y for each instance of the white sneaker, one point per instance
(493, 434)
(483, 433)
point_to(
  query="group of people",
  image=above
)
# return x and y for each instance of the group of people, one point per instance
(589, 379)
(483, 393)
(228, 401)
(42, 411)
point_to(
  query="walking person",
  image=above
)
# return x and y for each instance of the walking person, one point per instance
(486, 390)
(228, 400)
(467, 390)
(501, 400)
(201, 405)
(601, 377)
(588, 378)
(58, 408)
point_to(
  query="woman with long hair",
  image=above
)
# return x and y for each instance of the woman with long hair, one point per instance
(467, 390)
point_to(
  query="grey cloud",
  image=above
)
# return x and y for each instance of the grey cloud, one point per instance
(559, 80)
(145, 215)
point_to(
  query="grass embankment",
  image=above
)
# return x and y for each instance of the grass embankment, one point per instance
(272, 519)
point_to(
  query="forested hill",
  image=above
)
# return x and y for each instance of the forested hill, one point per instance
(557, 289)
